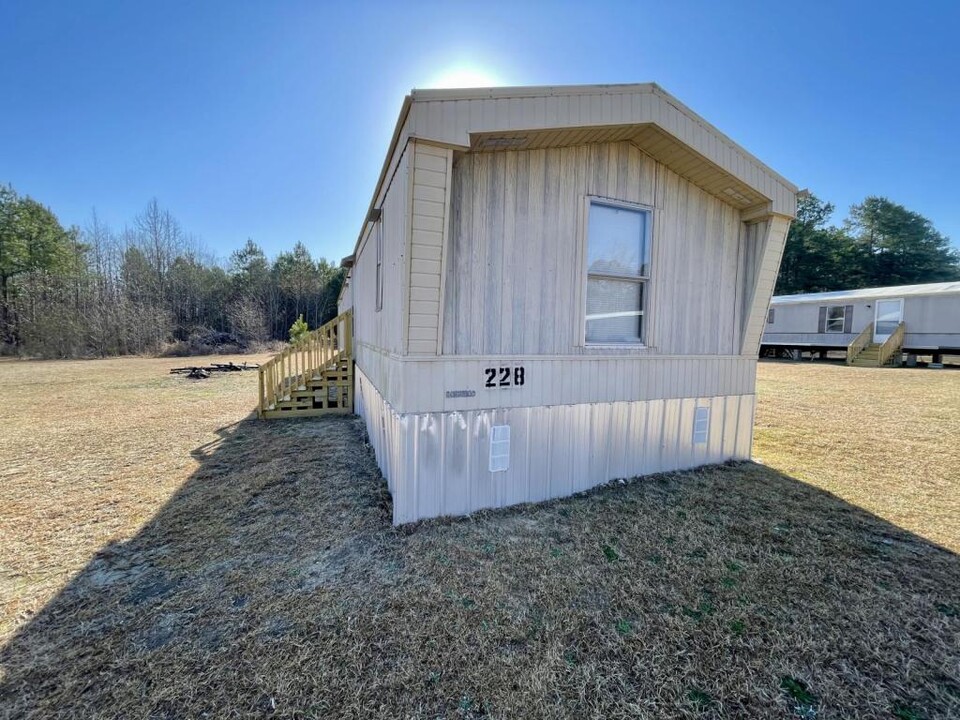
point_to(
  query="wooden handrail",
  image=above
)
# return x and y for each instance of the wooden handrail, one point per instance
(297, 363)
(891, 345)
(859, 343)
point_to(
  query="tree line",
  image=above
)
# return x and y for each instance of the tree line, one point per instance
(880, 243)
(150, 287)
(93, 291)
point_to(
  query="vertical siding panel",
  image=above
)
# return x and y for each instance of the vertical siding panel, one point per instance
(426, 461)
(745, 427)
(492, 273)
(634, 432)
(549, 260)
(668, 441)
(655, 442)
(687, 452)
(598, 449)
(508, 256)
(580, 436)
(619, 427)
(537, 455)
(455, 264)
(561, 444)
(717, 416)
(521, 253)
(731, 407)
(479, 242)
(456, 463)
(565, 243)
(482, 491)
(465, 275)
(533, 229)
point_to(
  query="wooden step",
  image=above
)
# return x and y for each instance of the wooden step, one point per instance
(310, 412)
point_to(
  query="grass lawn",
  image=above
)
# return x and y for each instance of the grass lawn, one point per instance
(166, 555)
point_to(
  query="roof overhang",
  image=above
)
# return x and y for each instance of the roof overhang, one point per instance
(648, 138)
(491, 119)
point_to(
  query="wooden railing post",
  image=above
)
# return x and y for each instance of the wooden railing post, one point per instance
(891, 345)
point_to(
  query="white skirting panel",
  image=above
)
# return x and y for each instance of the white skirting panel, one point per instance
(439, 463)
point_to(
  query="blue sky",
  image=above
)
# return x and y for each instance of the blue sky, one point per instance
(270, 119)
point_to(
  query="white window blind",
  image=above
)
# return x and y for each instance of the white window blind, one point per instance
(835, 317)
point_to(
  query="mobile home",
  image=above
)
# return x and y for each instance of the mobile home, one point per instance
(873, 326)
(555, 287)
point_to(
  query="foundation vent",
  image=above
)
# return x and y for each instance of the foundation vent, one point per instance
(499, 448)
(701, 425)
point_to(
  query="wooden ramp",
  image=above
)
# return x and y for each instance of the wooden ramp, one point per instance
(311, 377)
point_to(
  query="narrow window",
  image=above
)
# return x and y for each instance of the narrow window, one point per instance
(701, 425)
(379, 240)
(835, 318)
(499, 448)
(618, 268)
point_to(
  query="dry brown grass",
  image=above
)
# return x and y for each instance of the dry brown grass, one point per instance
(178, 559)
(885, 440)
(92, 450)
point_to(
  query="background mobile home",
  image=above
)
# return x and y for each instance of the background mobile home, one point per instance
(926, 316)
(556, 287)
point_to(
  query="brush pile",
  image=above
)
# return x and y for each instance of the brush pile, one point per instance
(204, 371)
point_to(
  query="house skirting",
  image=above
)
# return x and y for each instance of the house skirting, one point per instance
(439, 463)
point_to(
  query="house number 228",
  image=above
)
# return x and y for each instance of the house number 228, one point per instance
(504, 377)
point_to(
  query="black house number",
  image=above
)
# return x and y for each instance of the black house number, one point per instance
(504, 376)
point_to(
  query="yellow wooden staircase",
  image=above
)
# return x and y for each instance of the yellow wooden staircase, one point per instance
(863, 352)
(868, 357)
(311, 377)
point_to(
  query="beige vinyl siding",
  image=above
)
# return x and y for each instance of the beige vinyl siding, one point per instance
(413, 384)
(345, 301)
(763, 248)
(384, 328)
(515, 271)
(437, 463)
(431, 200)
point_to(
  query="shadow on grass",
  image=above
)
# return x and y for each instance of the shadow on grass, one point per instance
(272, 584)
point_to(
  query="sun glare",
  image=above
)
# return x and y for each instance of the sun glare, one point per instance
(463, 77)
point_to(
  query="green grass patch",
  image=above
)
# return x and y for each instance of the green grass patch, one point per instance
(700, 699)
(799, 692)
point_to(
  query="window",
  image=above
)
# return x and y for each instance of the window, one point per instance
(618, 268)
(379, 240)
(835, 319)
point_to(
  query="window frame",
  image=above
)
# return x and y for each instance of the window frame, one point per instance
(378, 241)
(843, 319)
(645, 281)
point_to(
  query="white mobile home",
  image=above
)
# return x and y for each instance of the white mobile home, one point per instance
(915, 319)
(555, 287)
